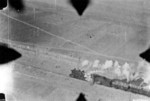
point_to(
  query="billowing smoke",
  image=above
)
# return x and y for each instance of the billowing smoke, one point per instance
(144, 72)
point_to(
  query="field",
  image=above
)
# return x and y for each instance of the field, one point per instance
(53, 40)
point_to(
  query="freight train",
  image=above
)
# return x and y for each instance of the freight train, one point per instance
(135, 80)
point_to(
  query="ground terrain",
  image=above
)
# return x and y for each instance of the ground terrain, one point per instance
(53, 40)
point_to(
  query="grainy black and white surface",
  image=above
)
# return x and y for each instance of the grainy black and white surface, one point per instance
(53, 39)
